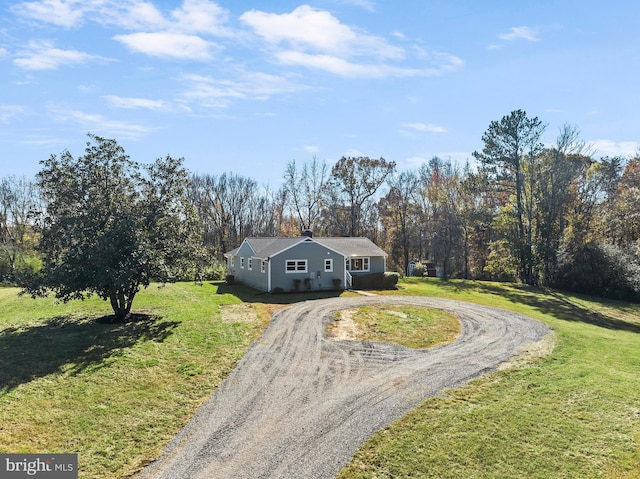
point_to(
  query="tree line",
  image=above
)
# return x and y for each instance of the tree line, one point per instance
(548, 215)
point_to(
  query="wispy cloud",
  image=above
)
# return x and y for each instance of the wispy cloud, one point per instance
(521, 33)
(193, 16)
(615, 148)
(138, 103)
(425, 127)
(178, 33)
(212, 92)
(8, 112)
(316, 39)
(64, 13)
(101, 125)
(45, 56)
(311, 148)
(168, 45)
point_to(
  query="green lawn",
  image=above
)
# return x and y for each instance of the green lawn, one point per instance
(574, 414)
(116, 394)
(411, 326)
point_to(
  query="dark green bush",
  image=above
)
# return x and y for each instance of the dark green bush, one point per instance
(604, 270)
(375, 280)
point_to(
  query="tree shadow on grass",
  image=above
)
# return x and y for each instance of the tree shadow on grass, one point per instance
(71, 345)
(556, 304)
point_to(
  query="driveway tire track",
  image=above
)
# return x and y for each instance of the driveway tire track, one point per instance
(299, 405)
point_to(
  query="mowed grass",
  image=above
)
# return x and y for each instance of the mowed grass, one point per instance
(572, 414)
(113, 393)
(412, 326)
(116, 394)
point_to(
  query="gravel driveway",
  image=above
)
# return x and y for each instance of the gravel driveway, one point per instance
(298, 405)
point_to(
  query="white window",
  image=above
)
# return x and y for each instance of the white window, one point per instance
(263, 266)
(250, 264)
(241, 262)
(296, 266)
(328, 265)
(233, 261)
(358, 264)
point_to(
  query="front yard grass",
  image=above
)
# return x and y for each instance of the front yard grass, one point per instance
(116, 394)
(411, 326)
(113, 393)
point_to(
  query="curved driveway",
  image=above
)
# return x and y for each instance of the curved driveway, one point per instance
(298, 405)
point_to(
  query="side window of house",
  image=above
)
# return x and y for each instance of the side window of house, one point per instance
(241, 263)
(328, 265)
(233, 261)
(250, 264)
(263, 266)
(296, 266)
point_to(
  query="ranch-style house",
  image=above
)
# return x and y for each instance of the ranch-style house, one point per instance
(303, 263)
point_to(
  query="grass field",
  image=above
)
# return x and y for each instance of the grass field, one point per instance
(116, 394)
(573, 414)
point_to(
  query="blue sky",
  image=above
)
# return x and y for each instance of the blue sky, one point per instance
(245, 87)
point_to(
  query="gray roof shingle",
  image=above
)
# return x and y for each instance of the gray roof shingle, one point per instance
(348, 246)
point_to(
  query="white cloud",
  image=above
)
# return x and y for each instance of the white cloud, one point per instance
(521, 33)
(304, 27)
(167, 44)
(425, 127)
(200, 16)
(174, 34)
(134, 15)
(216, 93)
(316, 39)
(193, 16)
(307, 28)
(64, 13)
(311, 148)
(615, 148)
(135, 103)
(100, 125)
(7, 112)
(44, 56)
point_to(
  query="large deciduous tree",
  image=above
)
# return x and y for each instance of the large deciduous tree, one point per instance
(111, 226)
(18, 200)
(305, 188)
(352, 183)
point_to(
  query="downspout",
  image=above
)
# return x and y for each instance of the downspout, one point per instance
(268, 275)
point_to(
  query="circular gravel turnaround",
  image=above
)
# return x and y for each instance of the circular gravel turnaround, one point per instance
(299, 405)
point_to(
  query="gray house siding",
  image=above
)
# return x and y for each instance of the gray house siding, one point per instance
(303, 263)
(314, 256)
(247, 268)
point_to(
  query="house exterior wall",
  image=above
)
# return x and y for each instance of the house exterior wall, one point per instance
(247, 269)
(315, 256)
